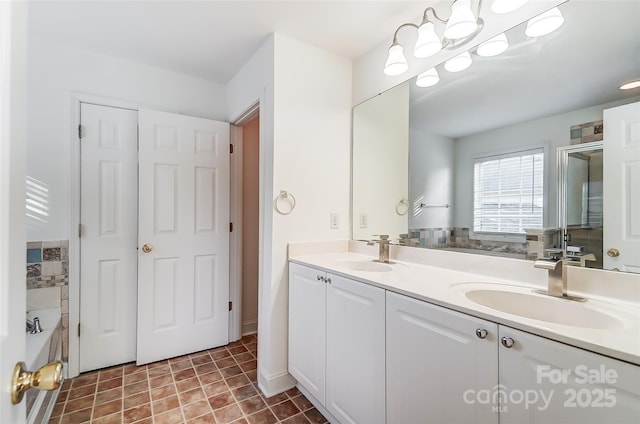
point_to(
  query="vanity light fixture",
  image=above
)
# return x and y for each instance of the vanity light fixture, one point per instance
(428, 78)
(545, 23)
(462, 26)
(493, 47)
(630, 85)
(458, 63)
(505, 6)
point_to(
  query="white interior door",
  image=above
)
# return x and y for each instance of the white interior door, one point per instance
(621, 170)
(183, 279)
(108, 215)
(13, 21)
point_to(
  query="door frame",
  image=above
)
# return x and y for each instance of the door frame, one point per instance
(235, 216)
(73, 364)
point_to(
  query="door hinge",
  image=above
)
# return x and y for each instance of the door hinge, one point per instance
(230, 306)
(230, 148)
(78, 329)
(79, 131)
(231, 227)
(79, 230)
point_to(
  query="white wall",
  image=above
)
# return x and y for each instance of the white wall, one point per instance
(55, 71)
(552, 131)
(368, 76)
(380, 166)
(431, 177)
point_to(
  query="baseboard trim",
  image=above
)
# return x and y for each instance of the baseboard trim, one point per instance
(250, 327)
(276, 384)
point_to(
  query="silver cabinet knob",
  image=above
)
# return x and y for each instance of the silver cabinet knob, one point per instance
(319, 277)
(328, 280)
(481, 333)
(507, 342)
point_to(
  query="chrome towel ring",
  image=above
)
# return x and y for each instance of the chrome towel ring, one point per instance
(286, 198)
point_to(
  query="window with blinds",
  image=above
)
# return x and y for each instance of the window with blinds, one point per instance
(508, 192)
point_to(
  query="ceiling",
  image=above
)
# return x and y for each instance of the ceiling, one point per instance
(213, 39)
(580, 65)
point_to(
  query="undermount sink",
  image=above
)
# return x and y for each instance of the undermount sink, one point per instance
(523, 302)
(367, 266)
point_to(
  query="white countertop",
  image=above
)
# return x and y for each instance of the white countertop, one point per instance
(438, 286)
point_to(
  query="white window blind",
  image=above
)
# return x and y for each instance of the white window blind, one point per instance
(508, 192)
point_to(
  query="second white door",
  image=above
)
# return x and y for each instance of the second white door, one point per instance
(183, 236)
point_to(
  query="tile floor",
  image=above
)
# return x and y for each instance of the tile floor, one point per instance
(213, 386)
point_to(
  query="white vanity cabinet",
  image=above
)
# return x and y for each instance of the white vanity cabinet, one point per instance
(437, 359)
(337, 343)
(549, 382)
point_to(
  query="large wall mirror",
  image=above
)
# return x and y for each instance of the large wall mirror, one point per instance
(434, 167)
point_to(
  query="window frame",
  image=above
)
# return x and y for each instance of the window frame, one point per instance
(506, 153)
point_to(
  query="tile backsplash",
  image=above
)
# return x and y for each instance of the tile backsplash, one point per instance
(48, 268)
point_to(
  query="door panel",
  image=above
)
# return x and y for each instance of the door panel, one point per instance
(184, 215)
(108, 264)
(621, 169)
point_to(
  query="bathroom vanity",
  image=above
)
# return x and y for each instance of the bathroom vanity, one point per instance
(411, 342)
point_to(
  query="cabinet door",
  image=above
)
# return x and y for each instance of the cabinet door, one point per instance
(544, 381)
(437, 367)
(355, 351)
(307, 300)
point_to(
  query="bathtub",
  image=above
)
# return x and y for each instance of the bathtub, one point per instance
(42, 348)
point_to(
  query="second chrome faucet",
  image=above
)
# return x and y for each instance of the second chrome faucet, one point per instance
(383, 253)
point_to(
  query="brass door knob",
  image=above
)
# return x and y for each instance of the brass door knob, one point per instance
(147, 248)
(614, 253)
(49, 377)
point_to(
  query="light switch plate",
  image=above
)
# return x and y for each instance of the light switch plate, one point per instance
(335, 221)
(364, 220)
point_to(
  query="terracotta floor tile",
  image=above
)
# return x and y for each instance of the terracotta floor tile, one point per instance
(263, 417)
(77, 417)
(79, 403)
(108, 419)
(221, 400)
(285, 410)
(252, 405)
(244, 392)
(164, 405)
(186, 385)
(134, 388)
(163, 392)
(108, 395)
(302, 403)
(83, 391)
(137, 413)
(209, 378)
(216, 386)
(136, 400)
(296, 419)
(191, 396)
(109, 384)
(107, 408)
(228, 414)
(173, 416)
(197, 409)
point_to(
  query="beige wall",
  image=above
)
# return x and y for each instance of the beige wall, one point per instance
(250, 227)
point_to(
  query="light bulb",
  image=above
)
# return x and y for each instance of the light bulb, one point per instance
(494, 46)
(462, 23)
(428, 78)
(545, 23)
(396, 63)
(458, 63)
(506, 6)
(428, 42)
(630, 85)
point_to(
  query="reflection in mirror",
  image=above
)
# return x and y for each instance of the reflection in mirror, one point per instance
(467, 132)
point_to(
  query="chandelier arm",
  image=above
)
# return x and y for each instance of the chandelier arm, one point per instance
(395, 34)
(425, 18)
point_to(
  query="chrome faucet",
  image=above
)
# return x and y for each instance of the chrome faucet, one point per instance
(383, 254)
(33, 327)
(557, 264)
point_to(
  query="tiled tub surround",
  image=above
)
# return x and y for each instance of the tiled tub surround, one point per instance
(430, 275)
(47, 276)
